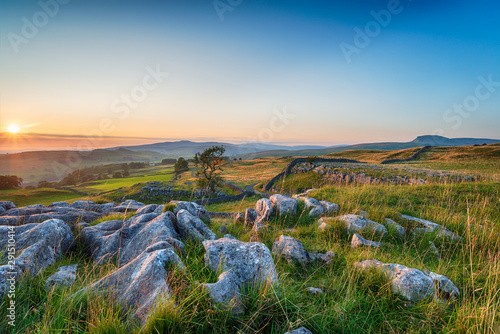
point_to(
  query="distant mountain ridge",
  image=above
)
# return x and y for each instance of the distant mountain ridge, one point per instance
(426, 140)
(186, 147)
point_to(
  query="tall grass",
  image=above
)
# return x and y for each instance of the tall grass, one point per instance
(352, 302)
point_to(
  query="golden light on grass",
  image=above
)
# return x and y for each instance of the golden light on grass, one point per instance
(13, 128)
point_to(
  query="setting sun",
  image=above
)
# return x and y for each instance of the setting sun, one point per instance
(13, 128)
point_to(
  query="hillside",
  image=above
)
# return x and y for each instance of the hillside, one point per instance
(391, 146)
(54, 165)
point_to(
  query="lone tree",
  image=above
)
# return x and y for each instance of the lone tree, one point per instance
(181, 165)
(209, 164)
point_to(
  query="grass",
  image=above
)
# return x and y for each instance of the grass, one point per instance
(352, 302)
(113, 184)
(24, 197)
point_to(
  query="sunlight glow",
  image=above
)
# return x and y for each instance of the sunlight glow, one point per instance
(13, 128)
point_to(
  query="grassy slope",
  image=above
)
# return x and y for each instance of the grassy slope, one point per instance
(24, 197)
(37, 166)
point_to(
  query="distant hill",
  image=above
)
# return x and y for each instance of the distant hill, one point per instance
(189, 148)
(53, 165)
(420, 141)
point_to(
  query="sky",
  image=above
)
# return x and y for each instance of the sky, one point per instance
(313, 72)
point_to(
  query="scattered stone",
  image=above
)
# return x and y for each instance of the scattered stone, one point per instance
(293, 251)
(301, 330)
(356, 224)
(223, 229)
(400, 230)
(243, 265)
(64, 276)
(322, 225)
(317, 211)
(359, 241)
(229, 236)
(284, 204)
(432, 227)
(314, 291)
(310, 202)
(264, 209)
(250, 217)
(326, 258)
(414, 284)
(329, 207)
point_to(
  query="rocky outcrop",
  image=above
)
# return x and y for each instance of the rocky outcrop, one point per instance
(193, 227)
(65, 276)
(358, 224)
(37, 246)
(294, 252)
(77, 212)
(128, 238)
(430, 227)
(242, 264)
(139, 284)
(359, 241)
(284, 204)
(413, 284)
(196, 210)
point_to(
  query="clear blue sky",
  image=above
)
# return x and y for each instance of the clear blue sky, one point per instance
(228, 77)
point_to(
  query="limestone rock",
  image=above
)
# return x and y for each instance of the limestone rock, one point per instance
(356, 224)
(139, 284)
(37, 245)
(264, 209)
(414, 284)
(359, 241)
(432, 227)
(193, 227)
(243, 264)
(284, 204)
(64, 276)
(400, 230)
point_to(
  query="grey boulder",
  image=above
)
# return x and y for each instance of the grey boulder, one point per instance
(284, 204)
(301, 330)
(264, 209)
(413, 284)
(141, 283)
(293, 251)
(243, 264)
(357, 224)
(359, 241)
(193, 227)
(429, 226)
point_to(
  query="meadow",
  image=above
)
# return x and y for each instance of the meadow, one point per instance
(352, 301)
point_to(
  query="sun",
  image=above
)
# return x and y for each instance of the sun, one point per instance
(13, 128)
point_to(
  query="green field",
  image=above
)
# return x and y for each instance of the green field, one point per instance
(94, 187)
(24, 197)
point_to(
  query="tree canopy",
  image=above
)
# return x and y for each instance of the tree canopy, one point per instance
(208, 164)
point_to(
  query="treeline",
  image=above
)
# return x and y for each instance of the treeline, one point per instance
(8, 182)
